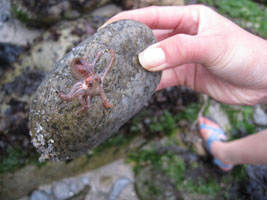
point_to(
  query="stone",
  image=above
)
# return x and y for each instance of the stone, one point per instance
(11, 30)
(106, 11)
(118, 187)
(39, 195)
(58, 131)
(61, 190)
(218, 114)
(48, 12)
(260, 115)
(68, 188)
(102, 14)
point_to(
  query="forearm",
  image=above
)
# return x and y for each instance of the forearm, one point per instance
(248, 150)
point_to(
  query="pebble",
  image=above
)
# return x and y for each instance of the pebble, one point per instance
(40, 195)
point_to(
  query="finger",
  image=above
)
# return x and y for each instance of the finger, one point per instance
(182, 49)
(162, 34)
(184, 19)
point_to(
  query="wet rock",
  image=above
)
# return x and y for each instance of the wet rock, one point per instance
(61, 190)
(58, 132)
(25, 84)
(48, 12)
(40, 195)
(257, 187)
(253, 185)
(118, 187)
(217, 113)
(102, 14)
(69, 188)
(11, 30)
(8, 54)
(260, 115)
(106, 11)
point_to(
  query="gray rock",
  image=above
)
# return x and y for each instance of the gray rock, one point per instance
(260, 115)
(118, 188)
(218, 114)
(102, 14)
(106, 11)
(61, 190)
(68, 188)
(39, 195)
(48, 12)
(58, 131)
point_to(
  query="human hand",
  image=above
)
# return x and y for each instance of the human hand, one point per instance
(205, 51)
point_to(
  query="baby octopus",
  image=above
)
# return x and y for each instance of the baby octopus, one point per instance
(89, 83)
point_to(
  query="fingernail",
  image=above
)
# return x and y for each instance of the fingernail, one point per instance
(152, 57)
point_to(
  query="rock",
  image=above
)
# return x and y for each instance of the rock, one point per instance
(58, 131)
(8, 54)
(133, 4)
(118, 187)
(218, 114)
(257, 185)
(48, 12)
(61, 190)
(102, 14)
(69, 188)
(106, 11)
(260, 115)
(39, 195)
(253, 184)
(11, 30)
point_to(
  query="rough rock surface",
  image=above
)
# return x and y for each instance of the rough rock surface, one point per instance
(58, 132)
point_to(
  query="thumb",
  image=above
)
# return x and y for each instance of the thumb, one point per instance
(181, 49)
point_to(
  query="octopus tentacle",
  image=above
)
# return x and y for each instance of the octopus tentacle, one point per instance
(105, 100)
(75, 91)
(112, 52)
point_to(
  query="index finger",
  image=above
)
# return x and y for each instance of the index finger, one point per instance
(183, 19)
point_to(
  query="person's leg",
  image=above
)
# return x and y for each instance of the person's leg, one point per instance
(248, 150)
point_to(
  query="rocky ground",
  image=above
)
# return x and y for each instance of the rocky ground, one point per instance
(156, 155)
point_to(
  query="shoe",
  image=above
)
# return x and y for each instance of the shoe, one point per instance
(216, 134)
